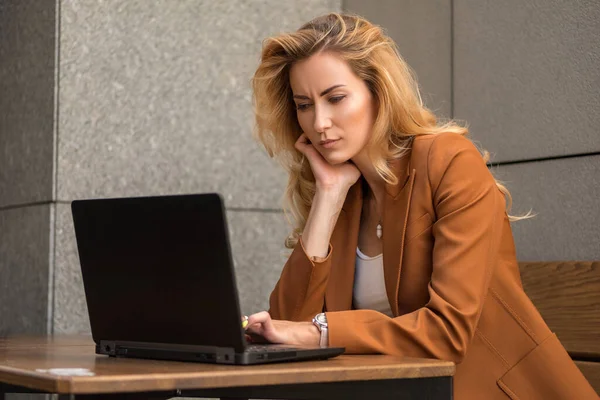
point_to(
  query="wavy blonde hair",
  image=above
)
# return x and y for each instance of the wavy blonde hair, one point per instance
(372, 56)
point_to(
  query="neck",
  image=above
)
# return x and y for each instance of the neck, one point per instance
(374, 180)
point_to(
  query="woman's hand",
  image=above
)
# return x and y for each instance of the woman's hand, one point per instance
(283, 332)
(328, 177)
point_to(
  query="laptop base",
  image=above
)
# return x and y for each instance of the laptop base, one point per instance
(214, 355)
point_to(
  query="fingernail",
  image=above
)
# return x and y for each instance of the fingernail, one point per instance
(245, 322)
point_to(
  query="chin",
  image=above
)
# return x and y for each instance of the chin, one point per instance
(336, 159)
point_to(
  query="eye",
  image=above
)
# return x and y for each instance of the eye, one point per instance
(336, 99)
(302, 107)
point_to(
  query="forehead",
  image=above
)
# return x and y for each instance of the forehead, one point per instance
(319, 72)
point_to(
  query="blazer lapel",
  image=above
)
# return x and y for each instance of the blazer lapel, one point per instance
(344, 239)
(395, 217)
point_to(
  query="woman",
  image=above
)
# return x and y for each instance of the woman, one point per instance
(402, 243)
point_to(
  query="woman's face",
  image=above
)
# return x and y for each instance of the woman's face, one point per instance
(335, 108)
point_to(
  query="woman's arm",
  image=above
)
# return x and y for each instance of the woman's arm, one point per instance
(300, 292)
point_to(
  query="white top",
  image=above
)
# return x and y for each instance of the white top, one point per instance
(369, 285)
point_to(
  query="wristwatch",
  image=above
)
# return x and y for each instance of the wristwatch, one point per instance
(320, 321)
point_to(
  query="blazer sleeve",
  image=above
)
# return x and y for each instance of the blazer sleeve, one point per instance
(470, 210)
(299, 294)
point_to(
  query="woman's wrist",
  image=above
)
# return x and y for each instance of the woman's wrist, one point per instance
(334, 197)
(308, 334)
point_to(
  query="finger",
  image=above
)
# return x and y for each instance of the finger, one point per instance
(259, 318)
(260, 324)
(312, 155)
(302, 143)
(303, 138)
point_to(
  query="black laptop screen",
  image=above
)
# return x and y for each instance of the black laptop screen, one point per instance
(158, 269)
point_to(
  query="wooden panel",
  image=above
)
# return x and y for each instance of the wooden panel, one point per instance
(567, 295)
(28, 362)
(591, 370)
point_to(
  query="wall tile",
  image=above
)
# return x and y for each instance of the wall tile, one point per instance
(564, 194)
(70, 309)
(259, 254)
(24, 269)
(526, 76)
(27, 38)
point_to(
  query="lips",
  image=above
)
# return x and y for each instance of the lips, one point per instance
(328, 143)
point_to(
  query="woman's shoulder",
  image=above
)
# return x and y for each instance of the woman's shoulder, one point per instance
(441, 143)
(434, 154)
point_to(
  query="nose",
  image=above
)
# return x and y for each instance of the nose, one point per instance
(322, 119)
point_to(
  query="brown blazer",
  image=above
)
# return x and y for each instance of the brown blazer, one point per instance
(451, 278)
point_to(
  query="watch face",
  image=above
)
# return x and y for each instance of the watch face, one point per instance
(321, 318)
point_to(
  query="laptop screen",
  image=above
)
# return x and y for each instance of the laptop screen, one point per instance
(159, 269)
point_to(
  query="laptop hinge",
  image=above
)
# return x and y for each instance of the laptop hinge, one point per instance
(108, 347)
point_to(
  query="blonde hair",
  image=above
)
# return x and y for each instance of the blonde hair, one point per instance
(374, 58)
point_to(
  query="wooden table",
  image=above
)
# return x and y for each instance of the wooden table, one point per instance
(68, 366)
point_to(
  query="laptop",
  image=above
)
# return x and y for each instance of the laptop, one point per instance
(160, 283)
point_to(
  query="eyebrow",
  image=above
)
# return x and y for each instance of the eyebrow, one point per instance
(323, 93)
